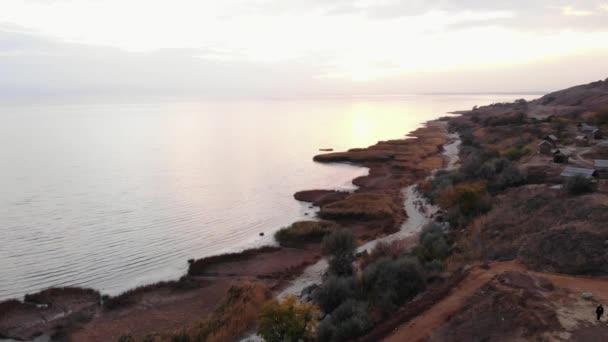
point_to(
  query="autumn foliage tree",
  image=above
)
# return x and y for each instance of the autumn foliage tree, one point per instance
(287, 320)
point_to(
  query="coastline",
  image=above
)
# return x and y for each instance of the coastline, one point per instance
(393, 165)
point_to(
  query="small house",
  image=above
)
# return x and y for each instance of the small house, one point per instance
(559, 157)
(544, 147)
(551, 139)
(571, 171)
(601, 167)
(590, 131)
(581, 140)
(583, 127)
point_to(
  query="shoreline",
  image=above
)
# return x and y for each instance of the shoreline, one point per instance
(394, 165)
(419, 213)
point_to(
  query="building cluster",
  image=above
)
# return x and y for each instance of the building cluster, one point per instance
(587, 133)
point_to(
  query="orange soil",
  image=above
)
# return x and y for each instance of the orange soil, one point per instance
(434, 317)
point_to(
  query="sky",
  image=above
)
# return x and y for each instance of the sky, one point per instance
(298, 47)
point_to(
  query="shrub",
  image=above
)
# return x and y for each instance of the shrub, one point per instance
(287, 320)
(389, 283)
(578, 185)
(510, 176)
(433, 244)
(512, 119)
(467, 197)
(349, 320)
(126, 338)
(391, 250)
(183, 337)
(433, 248)
(466, 137)
(434, 266)
(335, 291)
(340, 246)
(601, 118)
(304, 231)
(516, 152)
(442, 180)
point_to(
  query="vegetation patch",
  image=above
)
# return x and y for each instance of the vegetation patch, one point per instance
(304, 232)
(340, 247)
(50, 296)
(233, 318)
(198, 267)
(578, 185)
(360, 206)
(287, 320)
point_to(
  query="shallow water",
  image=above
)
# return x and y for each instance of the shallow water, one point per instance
(118, 195)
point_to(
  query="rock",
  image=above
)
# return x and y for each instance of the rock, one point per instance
(305, 299)
(587, 295)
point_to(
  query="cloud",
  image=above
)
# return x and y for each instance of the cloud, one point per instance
(571, 11)
(278, 47)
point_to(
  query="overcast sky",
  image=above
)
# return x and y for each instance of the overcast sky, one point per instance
(298, 47)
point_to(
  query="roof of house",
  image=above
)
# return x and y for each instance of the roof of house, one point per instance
(542, 142)
(596, 130)
(581, 137)
(552, 137)
(586, 127)
(571, 171)
(603, 163)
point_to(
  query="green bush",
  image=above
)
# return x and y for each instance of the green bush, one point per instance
(389, 283)
(340, 246)
(433, 243)
(286, 320)
(335, 291)
(516, 152)
(304, 232)
(349, 320)
(509, 177)
(578, 185)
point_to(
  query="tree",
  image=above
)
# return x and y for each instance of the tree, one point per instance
(287, 320)
(389, 283)
(340, 246)
(335, 291)
(349, 320)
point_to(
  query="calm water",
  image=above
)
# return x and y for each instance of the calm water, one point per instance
(115, 196)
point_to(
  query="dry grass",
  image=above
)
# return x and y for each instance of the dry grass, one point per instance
(49, 296)
(234, 317)
(362, 206)
(131, 296)
(198, 267)
(304, 232)
(521, 213)
(357, 156)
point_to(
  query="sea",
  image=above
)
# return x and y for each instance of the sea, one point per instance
(116, 194)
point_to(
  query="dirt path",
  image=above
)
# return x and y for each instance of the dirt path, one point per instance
(423, 325)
